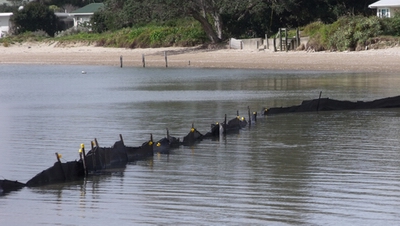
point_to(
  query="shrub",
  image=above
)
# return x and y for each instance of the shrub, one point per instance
(34, 16)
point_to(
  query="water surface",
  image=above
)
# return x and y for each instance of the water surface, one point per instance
(326, 168)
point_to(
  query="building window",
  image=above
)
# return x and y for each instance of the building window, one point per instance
(384, 13)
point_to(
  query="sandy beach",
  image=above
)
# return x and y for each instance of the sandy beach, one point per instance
(382, 60)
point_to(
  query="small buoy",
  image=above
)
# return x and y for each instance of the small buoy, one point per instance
(83, 72)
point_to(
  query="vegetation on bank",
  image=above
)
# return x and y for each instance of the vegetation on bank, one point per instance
(350, 33)
(341, 25)
(347, 33)
(173, 33)
(219, 20)
(354, 33)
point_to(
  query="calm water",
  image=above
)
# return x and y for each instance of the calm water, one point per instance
(327, 168)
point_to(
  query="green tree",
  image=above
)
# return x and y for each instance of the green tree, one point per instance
(33, 17)
(222, 18)
(16, 3)
(125, 13)
(7, 8)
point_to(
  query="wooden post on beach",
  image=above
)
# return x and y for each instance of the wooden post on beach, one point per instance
(280, 39)
(166, 60)
(274, 43)
(120, 60)
(143, 61)
(266, 39)
(297, 37)
(286, 43)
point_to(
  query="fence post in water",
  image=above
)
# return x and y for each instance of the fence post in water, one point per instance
(120, 60)
(248, 109)
(224, 127)
(143, 61)
(120, 137)
(97, 143)
(93, 155)
(105, 155)
(82, 154)
(62, 169)
(319, 98)
(166, 60)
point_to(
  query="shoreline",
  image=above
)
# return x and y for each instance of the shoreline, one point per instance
(381, 60)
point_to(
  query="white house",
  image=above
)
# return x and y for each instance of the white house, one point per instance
(5, 23)
(84, 14)
(386, 8)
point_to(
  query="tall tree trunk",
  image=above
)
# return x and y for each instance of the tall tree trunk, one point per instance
(208, 28)
(218, 24)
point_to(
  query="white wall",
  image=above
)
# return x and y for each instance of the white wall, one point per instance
(4, 23)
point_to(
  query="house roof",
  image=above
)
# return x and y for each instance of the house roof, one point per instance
(385, 3)
(91, 8)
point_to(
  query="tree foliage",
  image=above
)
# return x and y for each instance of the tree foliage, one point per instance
(220, 18)
(7, 8)
(34, 17)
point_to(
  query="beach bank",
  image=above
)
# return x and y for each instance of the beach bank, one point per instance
(381, 60)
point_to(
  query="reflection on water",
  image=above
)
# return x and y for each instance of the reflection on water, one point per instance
(302, 169)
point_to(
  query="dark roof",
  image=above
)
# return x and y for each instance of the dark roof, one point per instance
(91, 8)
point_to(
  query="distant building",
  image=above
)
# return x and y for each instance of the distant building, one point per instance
(5, 23)
(68, 20)
(84, 14)
(386, 8)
